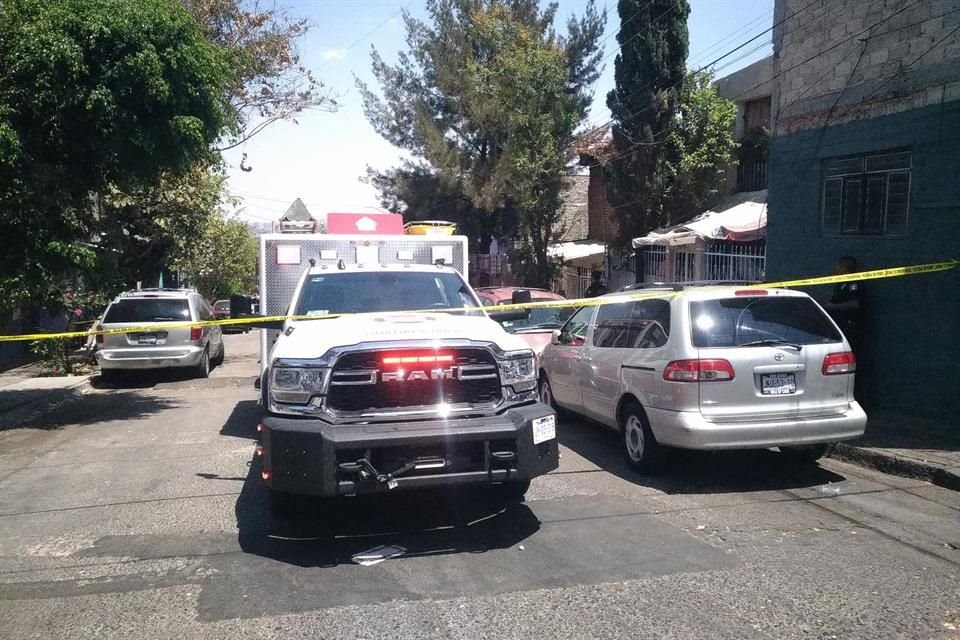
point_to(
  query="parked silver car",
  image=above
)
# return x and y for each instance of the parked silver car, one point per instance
(154, 348)
(707, 368)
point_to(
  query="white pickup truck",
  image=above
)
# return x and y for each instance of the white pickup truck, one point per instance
(381, 398)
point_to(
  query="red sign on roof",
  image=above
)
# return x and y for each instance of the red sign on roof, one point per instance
(369, 223)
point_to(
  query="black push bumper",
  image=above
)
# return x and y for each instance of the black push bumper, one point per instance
(312, 457)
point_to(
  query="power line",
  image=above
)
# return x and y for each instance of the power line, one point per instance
(704, 67)
(903, 69)
(371, 32)
(624, 22)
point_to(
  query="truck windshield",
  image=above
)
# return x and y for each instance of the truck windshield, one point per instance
(332, 293)
(540, 318)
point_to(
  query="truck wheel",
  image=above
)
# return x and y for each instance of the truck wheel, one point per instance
(511, 490)
(807, 453)
(202, 370)
(642, 451)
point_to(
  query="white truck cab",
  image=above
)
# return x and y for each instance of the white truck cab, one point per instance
(387, 374)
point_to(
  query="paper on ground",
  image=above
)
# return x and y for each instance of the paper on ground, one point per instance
(378, 554)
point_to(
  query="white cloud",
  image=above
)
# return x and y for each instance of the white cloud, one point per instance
(333, 54)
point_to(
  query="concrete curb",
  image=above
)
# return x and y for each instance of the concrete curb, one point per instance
(893, 464)
(16, 415)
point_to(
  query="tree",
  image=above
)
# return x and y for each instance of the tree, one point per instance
(445, 99)
(145, 228)
(701, 147)
(94, 93)
(270, 82)
(648, 76)
(525, 86)
(223, 262)
(419, 192)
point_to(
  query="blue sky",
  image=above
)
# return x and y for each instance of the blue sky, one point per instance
(321, 158)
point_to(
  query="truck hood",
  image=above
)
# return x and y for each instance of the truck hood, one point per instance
(313, 338)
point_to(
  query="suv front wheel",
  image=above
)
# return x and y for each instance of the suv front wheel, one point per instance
(643, 453)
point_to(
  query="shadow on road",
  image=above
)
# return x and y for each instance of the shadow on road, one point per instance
(94, 408)
(243, 420)
(695, 472)
(327, 532)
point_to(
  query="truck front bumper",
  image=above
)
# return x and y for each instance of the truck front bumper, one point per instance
(312, 457)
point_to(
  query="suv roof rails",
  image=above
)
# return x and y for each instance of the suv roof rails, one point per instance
(667, 286)
(680, 286)
(136, 292)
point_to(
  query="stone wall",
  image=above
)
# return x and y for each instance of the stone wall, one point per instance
(836, 62)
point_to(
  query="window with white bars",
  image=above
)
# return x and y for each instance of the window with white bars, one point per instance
(867, 194)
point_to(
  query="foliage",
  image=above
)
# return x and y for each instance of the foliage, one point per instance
(81, 308)
(701, 147)
(419, 192)
(452, 103)
(223, 262)
(754, 146)
(94, 93)
(146, 226)
(526, 86)
(648, 75)
(270, 81)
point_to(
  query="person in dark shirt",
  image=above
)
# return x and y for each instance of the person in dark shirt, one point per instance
(596, 287)
(846, 305)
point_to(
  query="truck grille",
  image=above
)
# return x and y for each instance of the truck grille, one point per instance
(363, 382)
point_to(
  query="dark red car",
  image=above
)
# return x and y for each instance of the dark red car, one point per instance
(539, 326)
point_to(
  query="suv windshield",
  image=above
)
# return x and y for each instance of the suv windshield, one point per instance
(147, 310)
(539, 318)
(732, 322)
(332, 293)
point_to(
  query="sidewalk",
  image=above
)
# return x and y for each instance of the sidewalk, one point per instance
(908, 446)
(26, 391)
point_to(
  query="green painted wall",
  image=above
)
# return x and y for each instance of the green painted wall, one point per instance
(911, 359)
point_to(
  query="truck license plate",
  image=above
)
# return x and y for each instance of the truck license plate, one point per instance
(544, 429)
(778, 384)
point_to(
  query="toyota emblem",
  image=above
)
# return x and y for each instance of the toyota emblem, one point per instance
(778, 357)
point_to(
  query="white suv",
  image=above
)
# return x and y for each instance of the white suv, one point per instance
(145, 345)
(706, 368)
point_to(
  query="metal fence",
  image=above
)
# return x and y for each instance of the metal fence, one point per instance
(751, 176)
(718, 261)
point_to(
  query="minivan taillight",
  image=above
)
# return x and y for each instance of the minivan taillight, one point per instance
(837, 363)
(196, 333)
(711, 370)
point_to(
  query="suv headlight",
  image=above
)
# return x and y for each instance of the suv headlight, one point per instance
(519, 371)
(296, 385)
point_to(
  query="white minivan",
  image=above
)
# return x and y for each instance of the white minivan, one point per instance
(706, 368)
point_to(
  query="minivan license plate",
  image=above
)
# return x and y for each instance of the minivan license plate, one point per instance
(778, 384)
(147, 338)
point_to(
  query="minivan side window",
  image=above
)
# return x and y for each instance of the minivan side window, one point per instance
(575, 331)
(649, 324)
(613, 325)
(203, 309)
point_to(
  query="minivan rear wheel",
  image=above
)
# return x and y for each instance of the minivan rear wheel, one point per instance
(203, 368)
(641, 449)
(808, 452)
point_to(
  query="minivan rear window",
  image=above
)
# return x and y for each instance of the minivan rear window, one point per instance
(731, 322)
(147, 310)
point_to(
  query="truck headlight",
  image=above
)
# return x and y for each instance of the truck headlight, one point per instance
(519, 371)
(296, 385)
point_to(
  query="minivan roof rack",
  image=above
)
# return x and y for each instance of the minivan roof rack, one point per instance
(680, 286)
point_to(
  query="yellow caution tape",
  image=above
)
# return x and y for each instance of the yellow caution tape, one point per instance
(640, 294)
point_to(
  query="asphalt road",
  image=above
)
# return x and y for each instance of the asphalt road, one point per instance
(135, 513)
